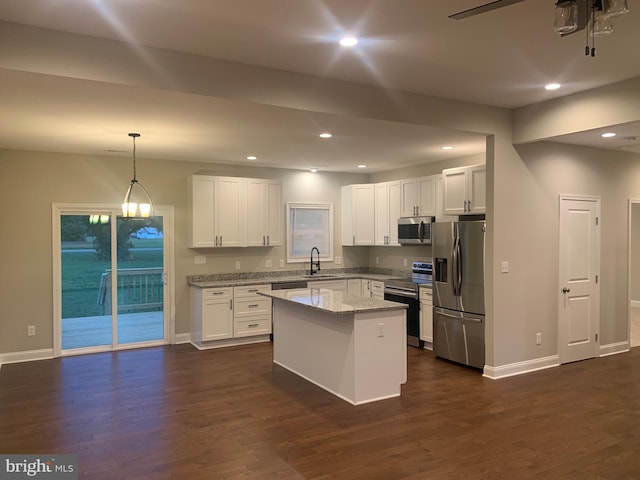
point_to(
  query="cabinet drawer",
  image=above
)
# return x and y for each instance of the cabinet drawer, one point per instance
(252, 306)
(216, 293)
(377, 288)
(426, 295)
(250, 290)
(258, 325)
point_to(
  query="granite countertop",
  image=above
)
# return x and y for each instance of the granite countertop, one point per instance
(235, 282)
(332, 301)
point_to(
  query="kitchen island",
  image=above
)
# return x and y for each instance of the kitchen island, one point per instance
(352, 346)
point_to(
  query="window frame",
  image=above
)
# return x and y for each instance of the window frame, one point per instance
(328, 207)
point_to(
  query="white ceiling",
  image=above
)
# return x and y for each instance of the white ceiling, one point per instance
(501, 58)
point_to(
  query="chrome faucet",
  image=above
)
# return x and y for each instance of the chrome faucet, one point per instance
(312, 263)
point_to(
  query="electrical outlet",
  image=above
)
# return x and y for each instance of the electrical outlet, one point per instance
(381, 330)
(538, 339)
(338, 260)
(199, 259)
(377, 260)
(405, 262)
(281, 263)
(504, 267)
(268, 264)
(31, 330)
(237, 265)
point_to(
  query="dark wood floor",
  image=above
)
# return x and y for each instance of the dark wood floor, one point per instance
(174, 412)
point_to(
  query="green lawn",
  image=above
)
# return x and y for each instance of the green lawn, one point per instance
(81, 273)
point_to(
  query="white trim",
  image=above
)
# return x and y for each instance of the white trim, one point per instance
(324, 256)
(26, 356)
(180, 338)
(613, 348)
(231, 342)
(167, 212)
(518, 368)
(634, 303)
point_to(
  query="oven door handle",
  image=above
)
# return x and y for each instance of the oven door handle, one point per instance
(400, 293)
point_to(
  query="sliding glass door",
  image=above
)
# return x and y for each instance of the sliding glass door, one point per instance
(112, 281)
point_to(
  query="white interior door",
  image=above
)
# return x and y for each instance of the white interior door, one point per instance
(579, 265)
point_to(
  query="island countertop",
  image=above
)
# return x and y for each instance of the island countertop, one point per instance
(332, 301)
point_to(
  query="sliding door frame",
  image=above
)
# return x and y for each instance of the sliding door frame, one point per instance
(167, 213)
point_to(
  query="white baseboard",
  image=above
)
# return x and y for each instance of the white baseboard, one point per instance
(635, 303)
(180, 338)
(231, 342)
(503, 371)
(26, 356)
(613, 348)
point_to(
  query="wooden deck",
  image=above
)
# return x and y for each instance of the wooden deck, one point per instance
(96, 331)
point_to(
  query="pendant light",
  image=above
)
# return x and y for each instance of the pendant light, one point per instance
(566, 17)
(137, 201)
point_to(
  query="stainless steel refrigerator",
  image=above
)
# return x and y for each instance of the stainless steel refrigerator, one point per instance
(458, 291)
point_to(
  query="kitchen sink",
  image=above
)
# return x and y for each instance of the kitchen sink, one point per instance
(319, 275)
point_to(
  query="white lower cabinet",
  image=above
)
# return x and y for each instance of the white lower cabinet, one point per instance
(211, 314)
(220, 315)
(251, 312)
(426, 317)
(354, 286)
(372, 289)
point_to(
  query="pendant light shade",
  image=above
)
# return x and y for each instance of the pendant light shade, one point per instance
(137, 201)
(615, 8)
(601, 24)
(566, 17)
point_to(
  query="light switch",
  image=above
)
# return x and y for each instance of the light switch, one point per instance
(338, 260)
(237, 265)
(268, 264)
(504, 267)
(199, 259)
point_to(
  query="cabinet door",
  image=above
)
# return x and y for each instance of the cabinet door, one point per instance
(202, 194)
(275, 213)
(477, 189)
(354, 286)
(439, 198)
(395, 207)
(358, 214)
(409, 197)
(381, 213)
(217, 318)
(231, 209)
(426, 196)
(366, 288)
(256, 213)
(455, 190)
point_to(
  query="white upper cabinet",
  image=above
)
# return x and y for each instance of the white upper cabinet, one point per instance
(264, 212)
(464, 190)
(234, 212)
(387, 212)
(358, 214)
(439, 197)
(418, 196)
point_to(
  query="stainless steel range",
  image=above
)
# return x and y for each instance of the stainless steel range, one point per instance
(407, 291)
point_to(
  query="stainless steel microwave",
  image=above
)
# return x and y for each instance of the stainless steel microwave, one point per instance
(415, 230)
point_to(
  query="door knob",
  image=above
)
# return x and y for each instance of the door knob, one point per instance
(566, 290)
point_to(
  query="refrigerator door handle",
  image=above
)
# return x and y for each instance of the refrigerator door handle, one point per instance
(463, 318)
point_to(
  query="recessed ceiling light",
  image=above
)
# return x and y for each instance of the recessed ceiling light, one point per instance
(447, 147)
(608, 135)
(325, 135)
(348, 41)
(252, 157)
(552, 86)
(313, 169)
(362, 166)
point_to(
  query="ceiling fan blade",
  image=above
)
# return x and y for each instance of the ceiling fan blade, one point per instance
(487, 7)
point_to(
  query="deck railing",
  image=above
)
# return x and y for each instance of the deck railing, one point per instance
(138, 290)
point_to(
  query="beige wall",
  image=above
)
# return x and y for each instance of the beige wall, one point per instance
(554, 169)
(35, 180)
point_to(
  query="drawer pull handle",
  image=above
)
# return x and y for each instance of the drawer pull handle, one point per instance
(253, 290)
(218, 293)
(253, 325)
(254, 305)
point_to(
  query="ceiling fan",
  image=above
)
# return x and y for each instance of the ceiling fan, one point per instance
(487, 7)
